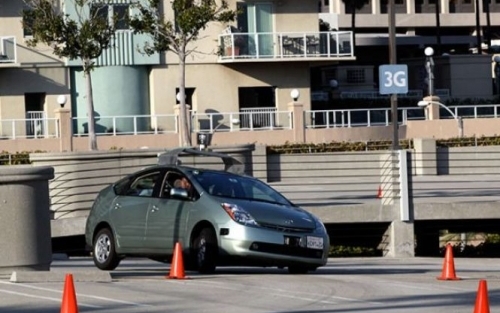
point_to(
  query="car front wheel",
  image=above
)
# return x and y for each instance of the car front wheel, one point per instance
(104, 254)
(205, 251)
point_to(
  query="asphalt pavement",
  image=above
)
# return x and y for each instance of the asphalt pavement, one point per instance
(343, 285)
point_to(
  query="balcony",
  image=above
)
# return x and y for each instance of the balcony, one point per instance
(272, 47)
(8, 51)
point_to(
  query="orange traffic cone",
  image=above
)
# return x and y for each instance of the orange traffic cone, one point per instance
(379, 193)
(69, 297)
(482, 302)
(177, 266)
(448, 272)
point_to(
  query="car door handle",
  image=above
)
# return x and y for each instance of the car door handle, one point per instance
(155, 208)
(117, 206)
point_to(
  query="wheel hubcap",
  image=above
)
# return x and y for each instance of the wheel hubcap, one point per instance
(202, 251)
(102, 248)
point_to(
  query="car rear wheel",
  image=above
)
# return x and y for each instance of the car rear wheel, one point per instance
(104, 255)
(205, 251)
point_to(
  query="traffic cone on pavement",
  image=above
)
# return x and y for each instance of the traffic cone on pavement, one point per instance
(482, 302)
(177, 266)
(379, 193)
(448, 272)
(69, 297)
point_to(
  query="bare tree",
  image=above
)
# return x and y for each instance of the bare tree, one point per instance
(82, 37)
(191, 16)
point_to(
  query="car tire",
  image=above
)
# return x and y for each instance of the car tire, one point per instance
(205, 251)
(103, 250)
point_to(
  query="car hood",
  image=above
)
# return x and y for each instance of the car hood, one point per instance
(271, 214)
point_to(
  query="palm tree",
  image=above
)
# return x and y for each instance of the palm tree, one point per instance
(353, 6)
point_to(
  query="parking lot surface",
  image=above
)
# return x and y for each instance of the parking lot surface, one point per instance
(343, 285)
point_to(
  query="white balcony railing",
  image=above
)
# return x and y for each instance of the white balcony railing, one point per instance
(246, 119)
(41, 127)
(271, 46)
(249, 119)
(127, 125)
(8, 52)
(382, 117)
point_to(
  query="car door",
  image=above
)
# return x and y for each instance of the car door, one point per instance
(167, 217)
(130, 210)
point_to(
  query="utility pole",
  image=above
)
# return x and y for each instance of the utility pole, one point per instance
(393, 60)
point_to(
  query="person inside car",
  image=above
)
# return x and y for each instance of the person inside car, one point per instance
(183, 183)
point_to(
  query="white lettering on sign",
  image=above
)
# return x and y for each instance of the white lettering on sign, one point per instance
(398, 79)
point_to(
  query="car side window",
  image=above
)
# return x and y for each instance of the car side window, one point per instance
(178, 181)
(143, 186)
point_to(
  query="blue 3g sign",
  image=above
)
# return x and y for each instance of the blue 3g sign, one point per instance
(393, 79)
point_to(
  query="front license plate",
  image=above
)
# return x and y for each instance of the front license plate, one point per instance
(314, 242)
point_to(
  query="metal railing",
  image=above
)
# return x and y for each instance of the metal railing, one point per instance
(246, 119)
(8, 52)
(383, 117)
(128, 124)
(29, 128)
(269, 46)
(37, 125)
(417, 94)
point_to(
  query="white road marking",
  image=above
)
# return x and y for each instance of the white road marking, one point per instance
(47, 298)
(78, 294)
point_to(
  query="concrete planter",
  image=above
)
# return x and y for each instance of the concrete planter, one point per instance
(25, 218)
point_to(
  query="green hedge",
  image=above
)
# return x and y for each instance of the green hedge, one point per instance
(347, 146)
(23, 157)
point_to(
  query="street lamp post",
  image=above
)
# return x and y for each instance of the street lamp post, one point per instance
(429, 66)
(426, 103)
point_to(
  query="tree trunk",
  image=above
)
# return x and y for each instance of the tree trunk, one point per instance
(438, 28)
(184, 128)
(486, 4)
(478, 29)
(90, 106)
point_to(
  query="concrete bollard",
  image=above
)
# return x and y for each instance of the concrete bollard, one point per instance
(25, 218)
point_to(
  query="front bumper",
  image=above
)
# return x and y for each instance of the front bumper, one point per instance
(272, 246)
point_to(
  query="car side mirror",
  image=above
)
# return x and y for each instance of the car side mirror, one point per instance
(179, 193)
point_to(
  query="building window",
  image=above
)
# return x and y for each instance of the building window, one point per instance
(99, 11)
(118, 13)
(121, 14)
(28, 21)
(355, 76)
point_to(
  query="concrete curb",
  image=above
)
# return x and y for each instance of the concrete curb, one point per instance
(59, 276)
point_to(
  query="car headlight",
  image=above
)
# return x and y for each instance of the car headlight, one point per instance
(320, 226)
(238, 214)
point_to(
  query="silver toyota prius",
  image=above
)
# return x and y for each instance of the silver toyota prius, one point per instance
(219, 217)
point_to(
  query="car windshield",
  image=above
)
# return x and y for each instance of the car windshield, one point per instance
(239, 187)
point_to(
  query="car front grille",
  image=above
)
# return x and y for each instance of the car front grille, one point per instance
(286, 229)
(286, 250)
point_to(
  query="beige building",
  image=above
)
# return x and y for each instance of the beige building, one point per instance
(250, 65)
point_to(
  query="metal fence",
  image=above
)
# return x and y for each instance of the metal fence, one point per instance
(37, 125)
